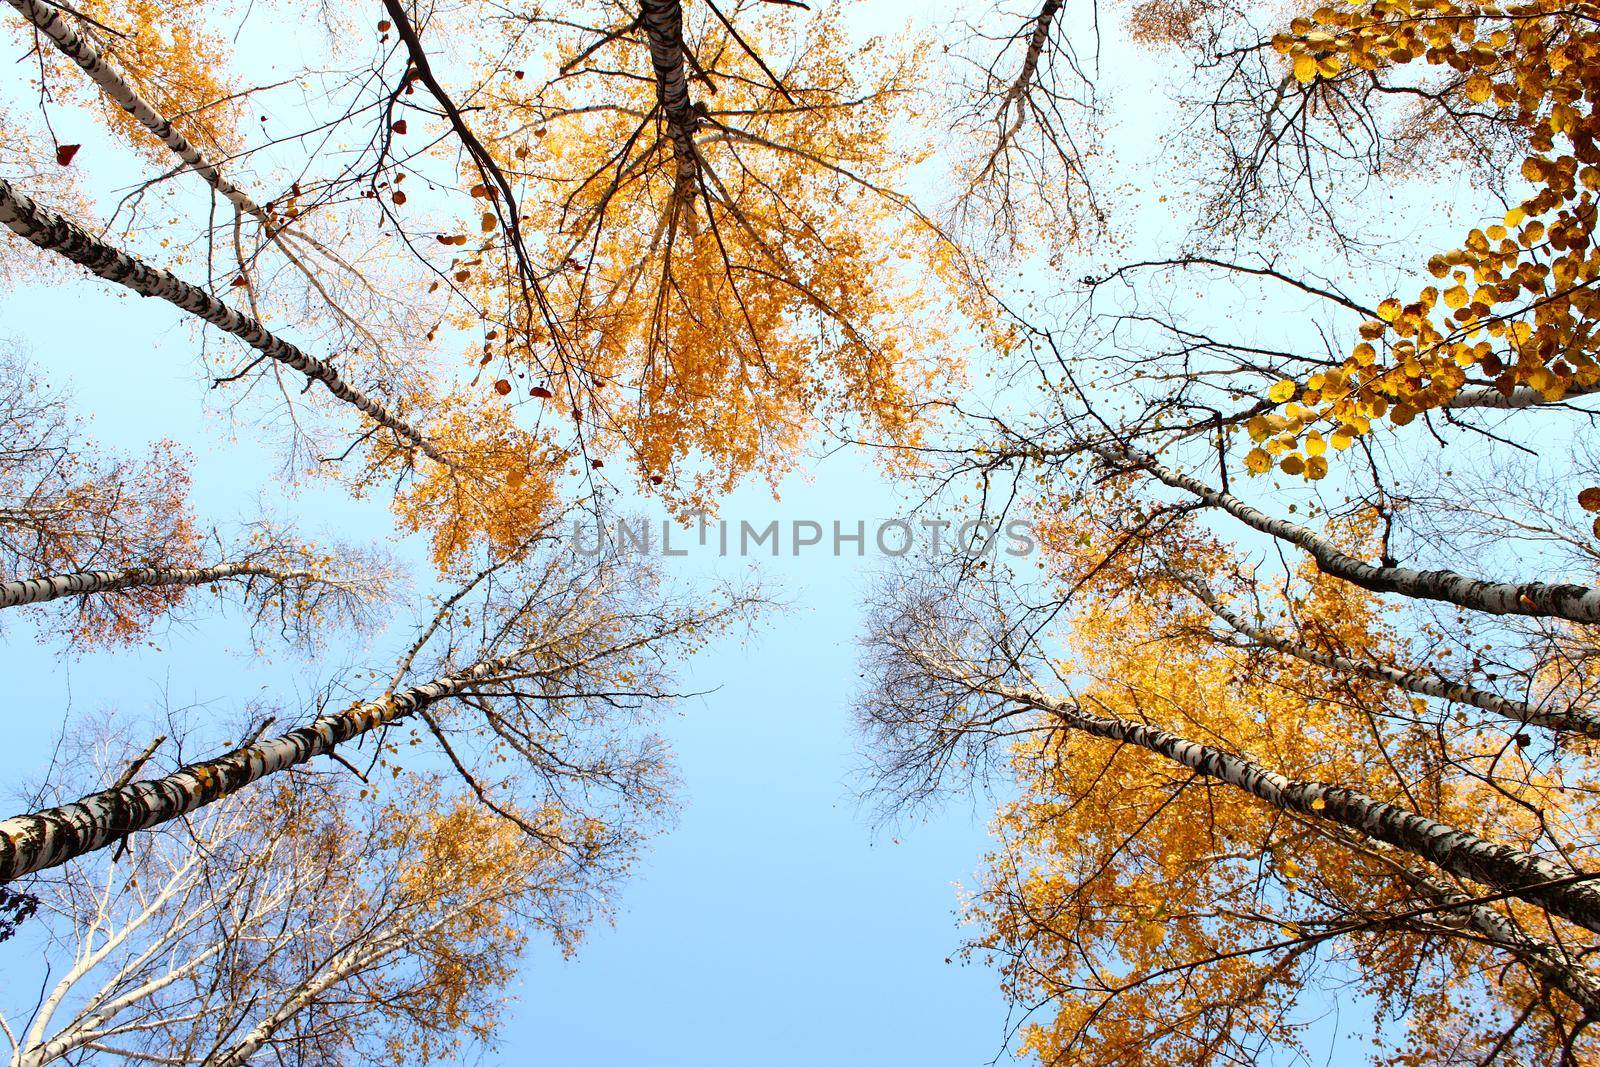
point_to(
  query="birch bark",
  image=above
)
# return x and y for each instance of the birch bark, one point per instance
(56, 586)
(1531, 877)
(1576, 720)
(663, 26)
(47, 838)
(54, 233)
(1576, 603)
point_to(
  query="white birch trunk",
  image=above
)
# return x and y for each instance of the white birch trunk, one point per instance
(125, 96)
(1520, 397)
(54, 233)
(663, 27)
(43, 839)
(1572, 720)
(1549, 961)
(1466, 855)
(1030, 59)
(56, 586)
(1577, 603)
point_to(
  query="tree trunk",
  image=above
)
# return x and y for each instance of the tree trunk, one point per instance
(1518, 711)
(1030, 59)
(53, 233)
(1549, 961)
(663, 27)
(48, 838)
(56, 586)
(1466, 855)
(125, 96)
(1577, 603)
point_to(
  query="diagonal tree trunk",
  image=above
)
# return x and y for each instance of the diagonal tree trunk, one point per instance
(121, 92)
(56, 586)
(1016, 94)
(1547, 960)
(82, 52)
(48, 838)
(1463, 854)
(663, 27)
(1577, 603)
(1574, 720)
(54, 233)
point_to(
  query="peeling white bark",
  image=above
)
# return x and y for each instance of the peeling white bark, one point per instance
(85, 55)
(51, 837)
(119, 91)
(56, 586)
(1546, 959)
(663, 26)
(1577, 603)
(1030, 59)
(54, 233)
(1571, 720)
(1521, 397)
(1531, 877)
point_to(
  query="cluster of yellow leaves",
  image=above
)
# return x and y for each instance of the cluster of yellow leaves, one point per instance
(471, 868)
(1516, 302)
(499, 487)
(165, 49)
(1125, 889)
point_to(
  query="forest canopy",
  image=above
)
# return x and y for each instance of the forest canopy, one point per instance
(1265, 337)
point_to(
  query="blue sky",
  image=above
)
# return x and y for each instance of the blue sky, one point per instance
(773, 922)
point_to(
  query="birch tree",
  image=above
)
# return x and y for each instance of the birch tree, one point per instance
(531, 680)
(296, 924)
(1316, 549)
(715, 184)
(661, 245)
(112, 544)
(1206, 834)
(1027, 124)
